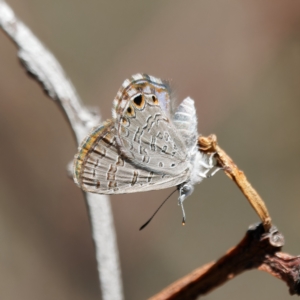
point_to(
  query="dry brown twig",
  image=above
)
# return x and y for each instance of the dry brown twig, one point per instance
(209, 144)
(259, 249)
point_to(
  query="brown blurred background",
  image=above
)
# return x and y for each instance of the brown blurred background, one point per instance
(239, 60)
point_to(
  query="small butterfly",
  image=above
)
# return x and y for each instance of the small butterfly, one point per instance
(147, 145)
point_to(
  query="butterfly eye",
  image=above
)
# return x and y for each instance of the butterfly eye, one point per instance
(154, 99)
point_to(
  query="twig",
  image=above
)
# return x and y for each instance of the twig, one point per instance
(256, 250)
(209, 144)
(40, 63)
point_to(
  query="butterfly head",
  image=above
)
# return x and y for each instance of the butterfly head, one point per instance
(185, 189)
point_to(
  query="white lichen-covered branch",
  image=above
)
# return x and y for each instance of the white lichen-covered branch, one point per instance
(46, 69)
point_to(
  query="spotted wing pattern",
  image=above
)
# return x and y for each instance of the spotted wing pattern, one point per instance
(100, 167)
(145, 132)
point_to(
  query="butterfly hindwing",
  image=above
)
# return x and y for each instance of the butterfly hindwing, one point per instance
(146, 134)
(100, 167)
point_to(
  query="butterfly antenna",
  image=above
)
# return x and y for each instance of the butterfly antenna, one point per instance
(143, 226)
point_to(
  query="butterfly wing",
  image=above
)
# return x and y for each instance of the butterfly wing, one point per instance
(146, 135)
(100, 167)
(185, 121)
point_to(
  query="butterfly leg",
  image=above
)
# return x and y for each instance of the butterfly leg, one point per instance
(216, 170)
(204, 173)
(210, 164)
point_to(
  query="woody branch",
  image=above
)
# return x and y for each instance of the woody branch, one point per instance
(209, 144)
(257, 250)
(44, 67)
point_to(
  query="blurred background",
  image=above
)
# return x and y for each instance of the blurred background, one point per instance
(239, 60)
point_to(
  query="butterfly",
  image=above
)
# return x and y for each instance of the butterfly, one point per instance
(147, 145)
